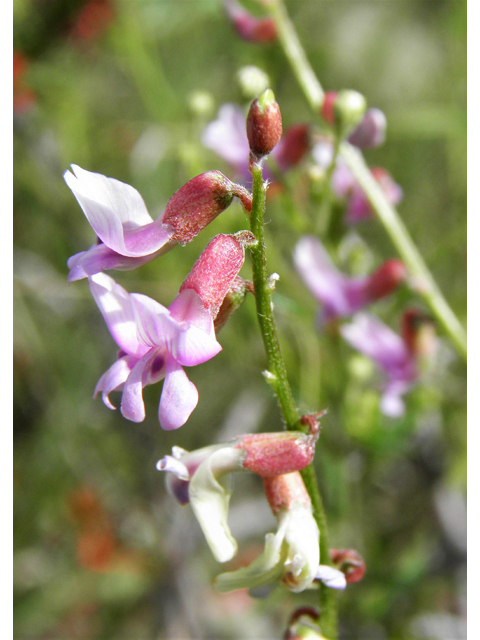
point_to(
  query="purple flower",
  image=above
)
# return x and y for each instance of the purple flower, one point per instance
(128, 237)
(341, 295)
(390, 352)
(155, 343)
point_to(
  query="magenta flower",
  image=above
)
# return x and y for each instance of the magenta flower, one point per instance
(259, 30)
(341, 295)
(390, 352)
(227, 137)
(127, 235)
(155, 343)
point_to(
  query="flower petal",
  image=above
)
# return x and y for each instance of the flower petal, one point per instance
(188, 307)
(133, 407)
(333, 578)
(113, 378)
(179, 397)
(227, 137)
(266, 568)
(101, 258)
(116, 307)
(117, 213)
(209, 499)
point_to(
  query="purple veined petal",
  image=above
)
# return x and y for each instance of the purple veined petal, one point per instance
(179, 397)
(188, 307)
(114, 377)
(133, 407)
(377, 341)
(100, 258)
(117, 213)
(227, 137)
(116, 307)
(331, 577)
(327, 284)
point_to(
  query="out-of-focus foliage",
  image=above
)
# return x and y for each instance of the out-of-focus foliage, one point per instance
(101, 551)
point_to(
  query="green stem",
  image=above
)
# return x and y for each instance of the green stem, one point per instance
(425, 284)
(276, 376)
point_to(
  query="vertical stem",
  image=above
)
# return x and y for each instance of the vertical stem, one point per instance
(276, 376)
(387, 215)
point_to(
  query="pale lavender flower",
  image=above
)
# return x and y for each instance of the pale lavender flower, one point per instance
(155, 343)
(339, 294)
(390, 352)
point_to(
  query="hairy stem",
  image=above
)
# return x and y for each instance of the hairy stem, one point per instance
(425, 284)
(276, 376)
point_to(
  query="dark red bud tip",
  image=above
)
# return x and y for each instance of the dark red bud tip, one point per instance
(293, 146)
(215, 270)
(197, 203)
(311, 420)
(327, 110)
(350, 562)
(386, 279)
(259, 30)
(418, 330)
(271, 454)
(264, 124)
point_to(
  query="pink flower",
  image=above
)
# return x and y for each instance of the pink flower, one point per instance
(390, 352)
(341, 295)
(156, 342)
(260, 30)
(128, 237)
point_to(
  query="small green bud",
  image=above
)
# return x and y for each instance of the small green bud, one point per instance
(252, 81)
(344, 110)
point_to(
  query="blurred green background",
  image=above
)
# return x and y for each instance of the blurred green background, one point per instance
(100, 549)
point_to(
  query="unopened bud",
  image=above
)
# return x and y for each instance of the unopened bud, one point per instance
(232, 301)
(293, 146)
(264, 124)
(217, 267)
(349, 562)
(343, 110)
(272, 454)
(371, 130)
(285, 491)
(418, 330)
(200, 201)
(201, 103)
(252, 81)
(386, 279)
(260, 30)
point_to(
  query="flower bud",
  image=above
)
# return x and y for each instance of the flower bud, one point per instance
(371, 130)
(350, 562)
(199, 202)
(247, 26)
(343, 110)
(264, 124)
(418, 330)
(252, 81)
(271, 454)
(303, 625)
(232, 301)
(386, 279)
(293, 146)
(217, 267)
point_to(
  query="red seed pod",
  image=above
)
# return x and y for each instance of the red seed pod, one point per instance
(217, 267)
(200, 201)
(350, 562)
(386, 279)
(273, 454)
(264, 124)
